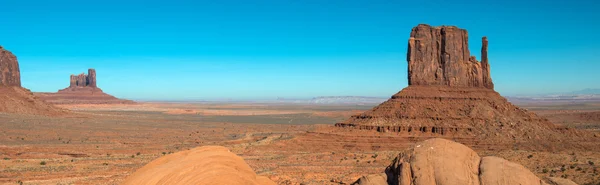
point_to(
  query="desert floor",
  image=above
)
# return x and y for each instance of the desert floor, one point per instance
(290, 143)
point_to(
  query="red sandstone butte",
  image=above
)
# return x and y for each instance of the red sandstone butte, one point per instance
(451, 94)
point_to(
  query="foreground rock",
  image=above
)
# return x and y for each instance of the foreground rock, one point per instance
(202, 165)
(443, 162)
(13, 97)
(83, 89)
(450, 94)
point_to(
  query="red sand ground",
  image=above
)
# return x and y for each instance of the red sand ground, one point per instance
(105, 144)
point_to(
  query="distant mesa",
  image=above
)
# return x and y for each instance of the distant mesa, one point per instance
(451, 94)
(83, 89)
(13, 97)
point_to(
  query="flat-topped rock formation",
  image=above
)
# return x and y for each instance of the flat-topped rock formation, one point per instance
(13, 97)
(82, 89)
(450, 94)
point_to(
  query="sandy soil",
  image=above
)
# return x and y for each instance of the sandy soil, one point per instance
(290, 144)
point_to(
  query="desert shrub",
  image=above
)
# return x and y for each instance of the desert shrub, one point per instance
(132, 156)
(529, 156)
(138, 153)
(43, 163)
(579, 169)
(164, 153)
(562, 169)
(591, 163)
(6, 158)
(374, 155)
(545, 170)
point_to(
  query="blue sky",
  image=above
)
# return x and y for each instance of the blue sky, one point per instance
(264, 49)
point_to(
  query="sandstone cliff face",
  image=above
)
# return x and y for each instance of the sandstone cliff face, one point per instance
(16, 99)
(441, 56)
(443, 162)
(91, 78)
(83, 80)
(9, 69)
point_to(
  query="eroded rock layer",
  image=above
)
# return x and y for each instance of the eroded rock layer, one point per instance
(452, 112)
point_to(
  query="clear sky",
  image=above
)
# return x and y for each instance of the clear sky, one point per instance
(266, 49)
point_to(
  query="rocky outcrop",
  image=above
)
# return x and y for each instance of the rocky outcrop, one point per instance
(14, 98)
(441, 56)
(450, 94)
(443, 162)
(83, 80)
(9, 69)
(202, 165)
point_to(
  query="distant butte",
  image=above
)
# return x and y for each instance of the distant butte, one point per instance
(82, 89)
(451, 94)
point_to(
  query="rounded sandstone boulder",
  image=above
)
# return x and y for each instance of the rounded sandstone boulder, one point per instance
(202, 165)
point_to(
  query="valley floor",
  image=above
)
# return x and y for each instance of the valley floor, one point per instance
(291, 144)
